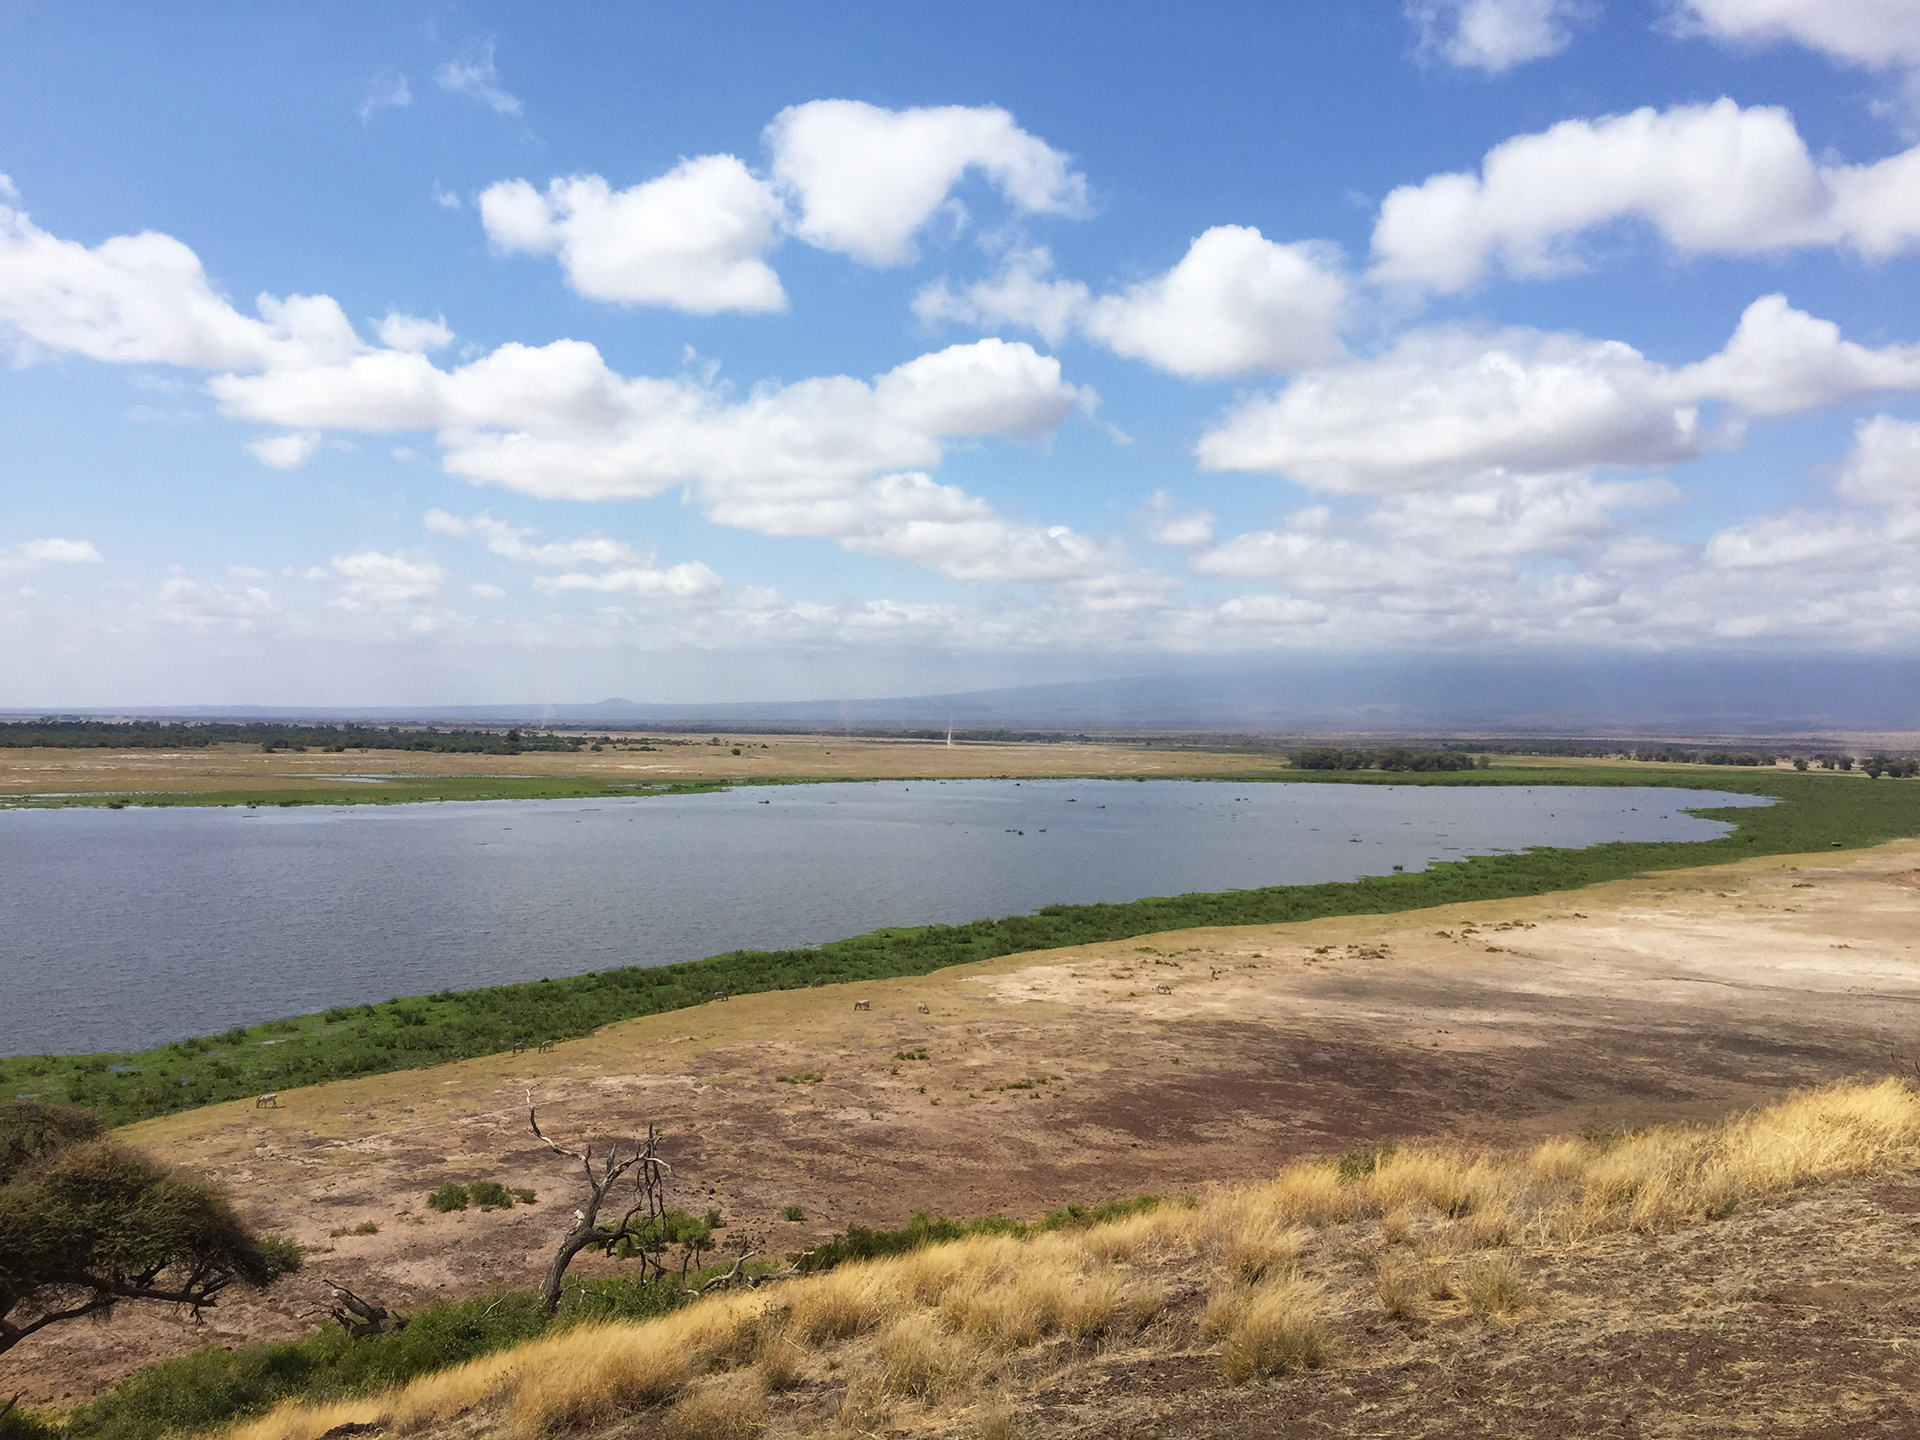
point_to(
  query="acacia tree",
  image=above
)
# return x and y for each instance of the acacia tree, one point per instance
(86, 1223)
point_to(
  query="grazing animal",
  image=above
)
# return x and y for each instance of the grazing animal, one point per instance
(924, 1009)
(269, 1101)
(545, 1045)
(519, 1047)
(863, 1005)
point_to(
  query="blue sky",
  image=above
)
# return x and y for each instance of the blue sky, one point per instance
(447, 353)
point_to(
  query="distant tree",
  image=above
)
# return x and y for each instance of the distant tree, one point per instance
(86, 1223)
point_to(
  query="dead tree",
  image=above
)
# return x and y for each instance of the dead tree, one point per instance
(641, 1229)
(360, 1318)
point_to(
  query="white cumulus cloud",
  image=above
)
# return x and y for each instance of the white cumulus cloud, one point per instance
(1883, 468)
(1447, 401)
(145, 299)
(693, 239)
(1236, 303)
(1709, 179)
(1860, 32)
(680, 582)
(1494, 35)
(286, 452)
(57, 552)
(867, 179)
(413, 332)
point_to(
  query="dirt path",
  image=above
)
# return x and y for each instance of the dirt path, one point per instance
(1154, 1064)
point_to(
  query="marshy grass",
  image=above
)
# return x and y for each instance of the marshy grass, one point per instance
(1268, 1278)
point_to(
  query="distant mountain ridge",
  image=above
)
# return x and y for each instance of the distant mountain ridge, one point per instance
(1404, 695)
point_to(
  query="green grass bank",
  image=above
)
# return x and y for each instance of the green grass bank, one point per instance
(1814, 811)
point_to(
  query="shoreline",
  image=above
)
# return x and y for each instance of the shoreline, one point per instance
(1812, 812)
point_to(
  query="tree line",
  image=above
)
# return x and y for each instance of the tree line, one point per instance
(173, 735)
(1423, 761)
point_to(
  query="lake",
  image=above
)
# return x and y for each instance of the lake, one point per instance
(128, 928)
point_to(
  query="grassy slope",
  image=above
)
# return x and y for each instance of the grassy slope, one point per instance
(1286, 1275)
(1816, 811)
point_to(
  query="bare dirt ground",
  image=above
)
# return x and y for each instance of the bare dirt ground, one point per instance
(1156, 1064)
(26, 772)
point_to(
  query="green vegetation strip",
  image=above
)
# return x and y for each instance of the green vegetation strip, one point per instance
(1816, 811)
(384, 790)
(217, 1385)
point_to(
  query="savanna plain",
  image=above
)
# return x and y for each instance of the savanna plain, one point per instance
(1637, 1158)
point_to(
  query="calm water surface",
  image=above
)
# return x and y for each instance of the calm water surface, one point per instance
(128, 928)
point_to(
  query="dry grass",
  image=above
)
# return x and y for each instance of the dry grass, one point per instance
(1273, 1271)
(1267, 1328)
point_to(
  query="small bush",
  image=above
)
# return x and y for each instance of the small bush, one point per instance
(365, 1227)
(794, 1212)
(26, 1425)
(523, 1195)
(1353, 1164)
(802, 1077)
(450, 1196)
(910, 1055)
(490, 1195)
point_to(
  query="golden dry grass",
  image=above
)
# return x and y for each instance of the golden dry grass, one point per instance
(1271, 1268)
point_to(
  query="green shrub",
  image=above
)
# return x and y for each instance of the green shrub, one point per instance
(215, 1386)
(794, 1212)
(450, 1196)
(523, 1195)
(19, 1424)
(859, 1243)
(490, 1195)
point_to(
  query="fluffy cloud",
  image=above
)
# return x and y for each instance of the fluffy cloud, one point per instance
(57, 552)
(863, 181)
(286, 452)
(377, 582)
(414, 333)
(1166, 524)
(1022, 292)
(693, 239)
(1883, 467)
(32, 554)
(144, 298)
(472, 73)
(511, 541)
(867, 179)
(1861, 32)
(1448, 402)
(679, 582)
(1709, 179)
(1236, 303)
(1494, 35)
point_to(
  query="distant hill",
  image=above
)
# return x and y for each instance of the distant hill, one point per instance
(1403, 694)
